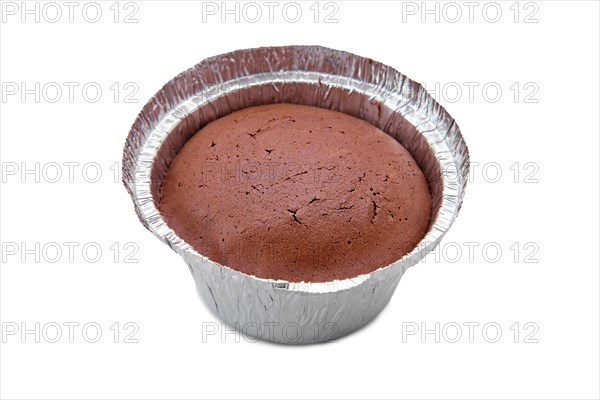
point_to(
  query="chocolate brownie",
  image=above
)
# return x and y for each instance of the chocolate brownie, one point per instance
(296, 193)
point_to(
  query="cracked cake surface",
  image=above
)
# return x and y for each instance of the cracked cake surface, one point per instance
(296, 193)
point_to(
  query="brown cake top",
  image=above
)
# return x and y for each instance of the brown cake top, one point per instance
(296, 193)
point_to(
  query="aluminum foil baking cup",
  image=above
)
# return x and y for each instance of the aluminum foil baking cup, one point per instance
(275, 310)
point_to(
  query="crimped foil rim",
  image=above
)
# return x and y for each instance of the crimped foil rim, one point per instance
(431, 120)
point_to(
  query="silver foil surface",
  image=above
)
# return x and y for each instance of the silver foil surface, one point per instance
(281, 311)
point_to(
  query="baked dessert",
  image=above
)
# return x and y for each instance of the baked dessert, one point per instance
(296, 193)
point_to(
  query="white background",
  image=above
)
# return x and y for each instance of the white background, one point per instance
(550, 210)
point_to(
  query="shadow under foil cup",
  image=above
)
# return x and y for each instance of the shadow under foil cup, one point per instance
(275, 310)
